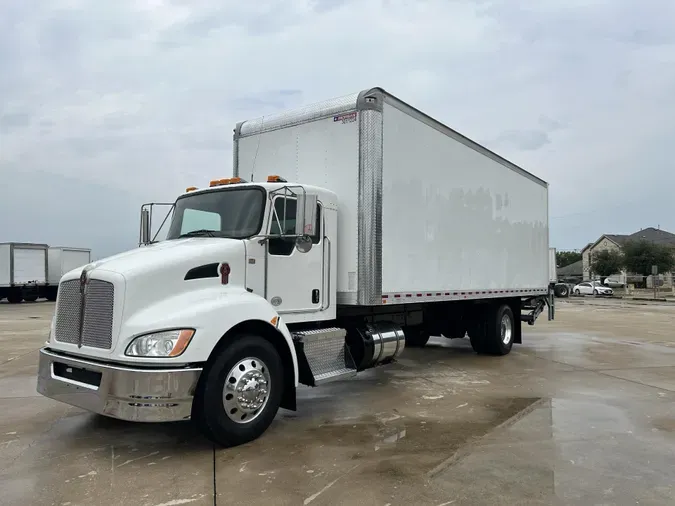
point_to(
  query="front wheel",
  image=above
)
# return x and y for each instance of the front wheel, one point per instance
(577, 292)
(240, 393)
(595, 293)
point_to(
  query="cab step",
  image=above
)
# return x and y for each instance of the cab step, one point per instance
(323, 356)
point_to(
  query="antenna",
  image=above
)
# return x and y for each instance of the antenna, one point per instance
(262, 121)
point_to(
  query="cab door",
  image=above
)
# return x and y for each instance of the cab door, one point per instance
(294, 278)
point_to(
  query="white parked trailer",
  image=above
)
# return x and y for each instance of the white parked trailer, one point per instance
(60, 260)
(365, 227)
(23, 271)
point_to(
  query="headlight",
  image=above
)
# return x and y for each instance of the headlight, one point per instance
(167, 343)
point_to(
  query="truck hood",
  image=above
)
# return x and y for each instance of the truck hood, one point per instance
(173, 256)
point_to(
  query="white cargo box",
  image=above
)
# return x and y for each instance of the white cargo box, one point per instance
(62, 260)
(23, 264)
(424, 214)
(552, 266)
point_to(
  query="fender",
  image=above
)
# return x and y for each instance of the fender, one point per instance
(212, 311)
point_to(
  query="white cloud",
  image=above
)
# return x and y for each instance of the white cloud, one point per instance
(140, 98)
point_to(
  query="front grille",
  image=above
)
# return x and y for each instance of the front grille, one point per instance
(98, 313)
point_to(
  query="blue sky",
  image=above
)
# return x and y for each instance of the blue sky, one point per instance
(106, 105)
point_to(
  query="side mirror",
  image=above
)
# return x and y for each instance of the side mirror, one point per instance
(145, 226)
(303, 243)
(306, 215)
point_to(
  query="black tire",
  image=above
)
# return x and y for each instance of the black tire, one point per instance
(501, 329)
(577, 292)
(208, 409)
(14, 297)
(30, 298)
(595, 293)
(51, 294)
(416, 337)
(477, 338)
(562, 291)
(492, 336)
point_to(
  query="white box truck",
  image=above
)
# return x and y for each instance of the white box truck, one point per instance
(23, 271)
(61, 260)
(363, 226)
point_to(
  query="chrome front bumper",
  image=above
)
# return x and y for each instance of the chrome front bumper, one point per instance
(124, 392)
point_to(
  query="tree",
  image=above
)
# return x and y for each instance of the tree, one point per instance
(565, 258)
(641, 255)
(606, 262)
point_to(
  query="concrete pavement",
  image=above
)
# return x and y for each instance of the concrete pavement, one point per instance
(581, 413)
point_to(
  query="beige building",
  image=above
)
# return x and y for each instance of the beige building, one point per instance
(615, 242)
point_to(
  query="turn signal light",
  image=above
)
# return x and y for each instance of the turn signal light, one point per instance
(276, 179)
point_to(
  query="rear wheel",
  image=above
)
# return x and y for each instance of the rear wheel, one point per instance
(30, 298)
(416, 337)
(240, 392)
(494, 335)
(561, 291)
(14, 297)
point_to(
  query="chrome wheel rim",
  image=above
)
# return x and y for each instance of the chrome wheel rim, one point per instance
(246, 390)
(506, 329)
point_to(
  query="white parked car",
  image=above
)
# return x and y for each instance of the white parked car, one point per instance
(592, 288)
(613, 282)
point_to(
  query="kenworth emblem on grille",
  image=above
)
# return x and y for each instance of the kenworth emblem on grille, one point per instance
(83, 291)
(83, 280)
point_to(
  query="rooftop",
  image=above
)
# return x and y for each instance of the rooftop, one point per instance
(649, 234)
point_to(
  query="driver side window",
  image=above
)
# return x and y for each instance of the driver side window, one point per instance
(284, 215)
(283, 222)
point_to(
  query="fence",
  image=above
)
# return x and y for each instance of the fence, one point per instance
(659, 286)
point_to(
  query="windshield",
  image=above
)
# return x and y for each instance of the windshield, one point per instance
(235, 213)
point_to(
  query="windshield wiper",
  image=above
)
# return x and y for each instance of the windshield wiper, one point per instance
(198, 233)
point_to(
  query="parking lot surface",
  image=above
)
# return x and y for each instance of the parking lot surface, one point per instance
(582, 413)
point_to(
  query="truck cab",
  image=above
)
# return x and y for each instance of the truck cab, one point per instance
(284, 234)
(136, 335)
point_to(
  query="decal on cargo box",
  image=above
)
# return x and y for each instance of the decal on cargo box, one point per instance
(345, 118)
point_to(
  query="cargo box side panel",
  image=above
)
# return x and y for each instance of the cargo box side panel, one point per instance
(73, 259)
(552, 266)
(54, 271)
(454, 219)
(323, 153)
(30, 265)
(5, 265)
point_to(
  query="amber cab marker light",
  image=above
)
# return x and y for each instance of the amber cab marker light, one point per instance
(190, 188)
(276, 179)
(214, 182)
